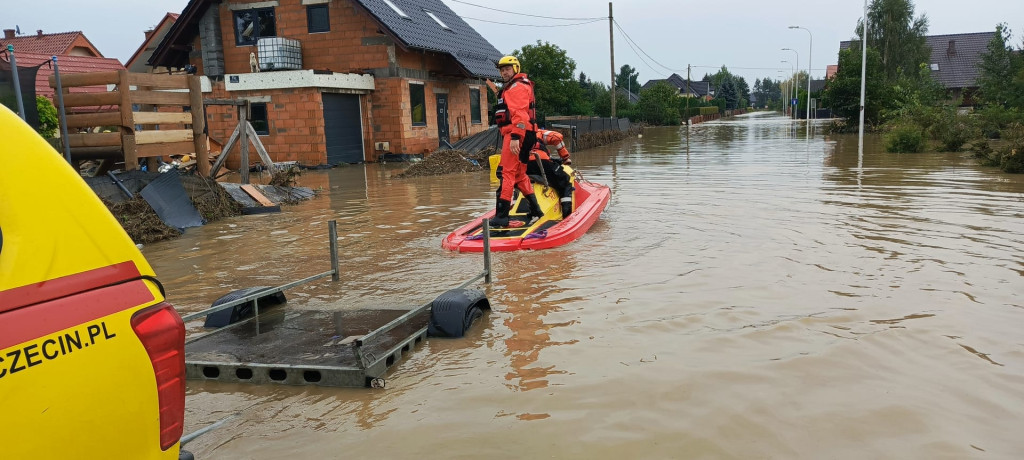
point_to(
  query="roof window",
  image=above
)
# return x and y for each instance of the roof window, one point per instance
(437, 20)
(397, 10)
(935, 67)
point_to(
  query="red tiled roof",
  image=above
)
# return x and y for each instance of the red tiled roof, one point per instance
(68, 65)
(51, 44)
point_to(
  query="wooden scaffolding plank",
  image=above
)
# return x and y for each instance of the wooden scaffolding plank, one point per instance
(94, 140)
(89, 120)
(91, 99)
(162, 118)
(252, 191)
(159, 150)
(85, 79)
(161, 98)
(154, 80)
(163, 136)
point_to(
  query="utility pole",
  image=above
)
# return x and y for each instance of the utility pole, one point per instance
(688, 91)
(611, 45)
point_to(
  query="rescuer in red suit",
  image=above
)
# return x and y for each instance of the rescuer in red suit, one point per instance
(515, 115)
(556, 176)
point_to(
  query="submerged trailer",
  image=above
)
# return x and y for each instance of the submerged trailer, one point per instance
(342, 348)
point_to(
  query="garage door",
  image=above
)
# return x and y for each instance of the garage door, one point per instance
(344, 128)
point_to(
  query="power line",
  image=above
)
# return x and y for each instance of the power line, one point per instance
(642, 59)
(525, 14)
(630, 40)
(534, 25)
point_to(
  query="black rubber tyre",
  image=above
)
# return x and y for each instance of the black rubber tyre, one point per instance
(455, 311)
(239, 312)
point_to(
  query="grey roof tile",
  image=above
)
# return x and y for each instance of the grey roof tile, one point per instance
(418, 30)
(956, 57)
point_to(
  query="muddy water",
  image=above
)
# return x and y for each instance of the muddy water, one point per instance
(748, 293)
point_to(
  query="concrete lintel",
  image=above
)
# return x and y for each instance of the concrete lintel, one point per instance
(251, 5)
(286, 79)
(315, 2)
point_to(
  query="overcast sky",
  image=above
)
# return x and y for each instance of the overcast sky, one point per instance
(747, 36)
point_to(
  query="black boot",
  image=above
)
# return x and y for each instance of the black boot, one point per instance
(566, 207)
(535, 209)
(500, 218)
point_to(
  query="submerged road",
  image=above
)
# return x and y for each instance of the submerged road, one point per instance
(748, 293)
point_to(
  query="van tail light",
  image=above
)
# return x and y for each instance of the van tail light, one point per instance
(162, 333)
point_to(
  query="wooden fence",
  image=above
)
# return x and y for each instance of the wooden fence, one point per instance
(88, 111)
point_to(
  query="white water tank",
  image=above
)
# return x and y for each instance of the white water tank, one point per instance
(277, 53)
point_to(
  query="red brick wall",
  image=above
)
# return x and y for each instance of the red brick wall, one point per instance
(296, 117)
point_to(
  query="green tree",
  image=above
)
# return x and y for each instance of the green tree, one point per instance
(744, 91)
(1001, 81)
(658, 105)
(843, 91)
(897, 35)
(47, 118)
(629, 78)
(553, 72)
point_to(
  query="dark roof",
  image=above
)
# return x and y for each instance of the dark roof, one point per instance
(700, 88)
(418, 30)
(633, 97)
(955, 57)
(817, 85)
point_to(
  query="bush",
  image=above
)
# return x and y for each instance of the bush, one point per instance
(47, 118)
(953, 130)
(905, 138)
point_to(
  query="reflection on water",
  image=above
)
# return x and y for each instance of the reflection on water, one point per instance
(749, 292)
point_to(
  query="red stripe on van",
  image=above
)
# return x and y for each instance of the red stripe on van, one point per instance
(42, 291)
(25, 324)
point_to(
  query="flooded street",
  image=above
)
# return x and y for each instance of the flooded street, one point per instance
(748, 293)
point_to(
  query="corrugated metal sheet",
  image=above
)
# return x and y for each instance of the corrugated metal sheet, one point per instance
(418, 30)
(479, 141)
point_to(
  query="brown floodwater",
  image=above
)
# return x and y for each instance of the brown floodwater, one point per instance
(748, 293)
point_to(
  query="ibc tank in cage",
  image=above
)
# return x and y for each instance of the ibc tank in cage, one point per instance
(276, 53)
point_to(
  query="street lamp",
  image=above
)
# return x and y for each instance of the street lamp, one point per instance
(863, 74)
(783, 88)
(793, 78)
(810, 43)
(796, 93)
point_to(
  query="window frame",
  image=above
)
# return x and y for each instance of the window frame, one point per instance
(412, 103)
(309, 17)
(475, 113)
(265, 120)
(256, 37)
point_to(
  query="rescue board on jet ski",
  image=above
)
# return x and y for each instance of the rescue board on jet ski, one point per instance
(549, 231)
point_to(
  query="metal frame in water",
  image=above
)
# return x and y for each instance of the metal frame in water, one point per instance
(306, 352)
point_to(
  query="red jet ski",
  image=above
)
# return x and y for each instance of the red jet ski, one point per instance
(552, 230)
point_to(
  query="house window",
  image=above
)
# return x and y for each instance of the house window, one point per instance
(418, 104)
(317, 18)
(474, 106)
(252, 24)
(397, 10)
(258, 118)
(437, 20)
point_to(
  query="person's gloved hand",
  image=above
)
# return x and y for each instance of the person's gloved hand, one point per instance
(567, 161)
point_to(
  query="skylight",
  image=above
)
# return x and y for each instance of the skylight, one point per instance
(397, 10)
(437, 20)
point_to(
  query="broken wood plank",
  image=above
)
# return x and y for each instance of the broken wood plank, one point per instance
(162, 136)
(252, 191)
(224, 151)
(260, 149)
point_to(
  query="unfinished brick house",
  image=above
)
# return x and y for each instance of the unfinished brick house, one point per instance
(360, 78)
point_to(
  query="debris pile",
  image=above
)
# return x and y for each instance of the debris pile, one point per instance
(599, 138)
(140, 221)
(445, 162)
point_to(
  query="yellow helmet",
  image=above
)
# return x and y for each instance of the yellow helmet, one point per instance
(509, 60)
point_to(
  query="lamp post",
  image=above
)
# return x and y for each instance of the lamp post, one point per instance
(792, 78)
(863, 74)
(783, 89)
(796, 92)
(810, 43)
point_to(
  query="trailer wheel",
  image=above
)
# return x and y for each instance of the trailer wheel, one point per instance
(455, 311)
(242, 311)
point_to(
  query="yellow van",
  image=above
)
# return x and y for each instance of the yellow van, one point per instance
(92, 360)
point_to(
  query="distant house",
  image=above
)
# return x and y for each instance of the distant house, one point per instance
(75, 54)
(58, 44)
(954, 61)
(691, 88)
(633, 97)
(139, 62)
(341, 81)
